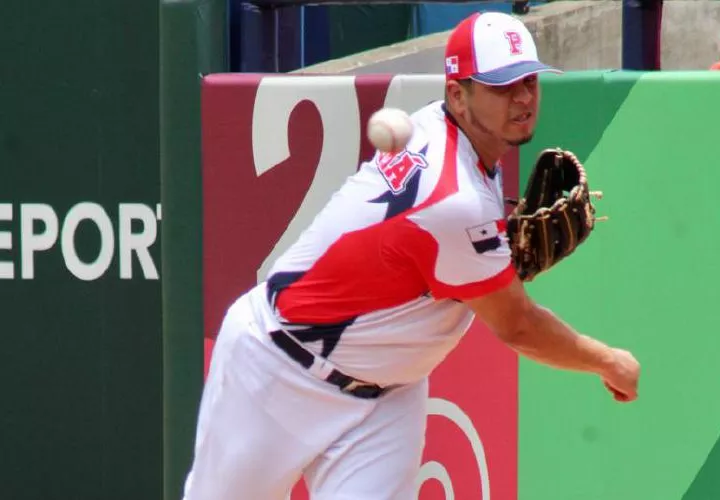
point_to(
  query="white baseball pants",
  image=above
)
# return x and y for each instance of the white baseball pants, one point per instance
(265, 422)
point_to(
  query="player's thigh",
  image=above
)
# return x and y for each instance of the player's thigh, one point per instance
(380, 458)
(240, 451)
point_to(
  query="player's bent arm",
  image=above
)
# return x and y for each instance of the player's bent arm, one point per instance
(535, 332)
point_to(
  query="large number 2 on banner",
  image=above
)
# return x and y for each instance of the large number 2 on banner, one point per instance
(274, 102)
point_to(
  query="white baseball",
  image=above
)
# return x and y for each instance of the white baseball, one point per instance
(389, 129)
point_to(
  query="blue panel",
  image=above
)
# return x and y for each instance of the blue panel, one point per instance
(251, 42)
(316, 35)
(642, 21)
(276, 40)
(289, 34)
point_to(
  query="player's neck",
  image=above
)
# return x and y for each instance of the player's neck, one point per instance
(489, 150)
(487, 146)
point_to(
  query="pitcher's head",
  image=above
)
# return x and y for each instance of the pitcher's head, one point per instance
(491, 77)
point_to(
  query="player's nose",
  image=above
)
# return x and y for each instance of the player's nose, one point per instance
(522, 94)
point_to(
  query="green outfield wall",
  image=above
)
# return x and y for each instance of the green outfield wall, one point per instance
(80, 294)
(193, 43)
(86, 87)
(645, 280)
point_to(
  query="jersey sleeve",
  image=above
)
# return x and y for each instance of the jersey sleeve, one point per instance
(460, 254)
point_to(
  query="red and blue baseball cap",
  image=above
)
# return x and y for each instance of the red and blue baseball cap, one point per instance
(492, 48)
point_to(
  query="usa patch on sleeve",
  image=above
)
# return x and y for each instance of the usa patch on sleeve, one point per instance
(398, 169)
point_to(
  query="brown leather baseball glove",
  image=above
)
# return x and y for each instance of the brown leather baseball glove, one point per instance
(555, 215)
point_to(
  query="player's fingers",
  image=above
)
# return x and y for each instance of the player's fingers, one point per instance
(623, 397)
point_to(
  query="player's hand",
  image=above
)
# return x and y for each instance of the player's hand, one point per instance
(622, 376)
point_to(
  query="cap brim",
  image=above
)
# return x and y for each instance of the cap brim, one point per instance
(512, 73)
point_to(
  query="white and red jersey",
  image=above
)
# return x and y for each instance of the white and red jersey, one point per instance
(375, 283)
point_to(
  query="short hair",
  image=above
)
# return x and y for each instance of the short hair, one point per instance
(465, 83)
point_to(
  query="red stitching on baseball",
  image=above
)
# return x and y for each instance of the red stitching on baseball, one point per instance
(392, 135)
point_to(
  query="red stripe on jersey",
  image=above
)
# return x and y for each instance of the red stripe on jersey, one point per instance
(351, 278)
(448, 182)
(477, 289)
(425, 252)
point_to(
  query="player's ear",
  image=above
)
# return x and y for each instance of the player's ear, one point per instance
(455, 96)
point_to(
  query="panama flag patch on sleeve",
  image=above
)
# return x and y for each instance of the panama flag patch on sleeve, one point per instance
(486, 237)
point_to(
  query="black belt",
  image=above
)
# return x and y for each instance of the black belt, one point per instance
(346, 383)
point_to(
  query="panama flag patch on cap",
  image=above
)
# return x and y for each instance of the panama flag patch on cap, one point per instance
(452, 65)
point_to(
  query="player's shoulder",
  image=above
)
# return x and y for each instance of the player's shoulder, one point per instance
(458, 210)
(471, 198)
(429, 132)
(429, 117)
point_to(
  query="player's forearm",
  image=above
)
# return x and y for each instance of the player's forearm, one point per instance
(548, 340)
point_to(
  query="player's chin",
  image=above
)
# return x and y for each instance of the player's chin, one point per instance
(519, 140)
(518, 134)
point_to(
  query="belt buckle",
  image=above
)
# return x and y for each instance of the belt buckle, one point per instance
(363, 390)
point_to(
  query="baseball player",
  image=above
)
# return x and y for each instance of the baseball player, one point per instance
(320, 372)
